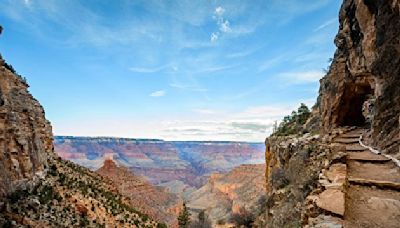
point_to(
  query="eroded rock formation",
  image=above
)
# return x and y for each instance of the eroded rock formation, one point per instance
(161, 162)
(154, 201)
(235, 192)
(365, 68)
(324, 180)
(25, 134)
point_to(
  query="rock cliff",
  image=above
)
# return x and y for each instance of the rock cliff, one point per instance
(365, 72)
(328, 179)
(39, 189)
(25, 134)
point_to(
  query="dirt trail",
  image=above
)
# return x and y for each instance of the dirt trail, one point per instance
(372, 193)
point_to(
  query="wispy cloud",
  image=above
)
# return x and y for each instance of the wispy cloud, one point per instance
(326, 24)
(272, 62)
(204, 111)
(301, 77)
(148, 69)
(239, 54)
(159, 93)
(252, 124)
(27, 2)
(188, 87)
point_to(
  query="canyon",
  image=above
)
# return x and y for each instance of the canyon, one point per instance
(176, 165)
(338, 169)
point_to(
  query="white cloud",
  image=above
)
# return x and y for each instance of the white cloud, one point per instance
(302, 77)
(222, 23)
(204, 111)
(272, 62)
(326, 24)
(219, 11)
(252, 124)
(239, 54)
(27, 2)
(149, 70)
(214, 36)
(159, 93)
(224, 26)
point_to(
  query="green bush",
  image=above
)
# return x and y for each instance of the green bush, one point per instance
(293, 123)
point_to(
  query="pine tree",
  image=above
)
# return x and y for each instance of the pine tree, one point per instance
(184, 217)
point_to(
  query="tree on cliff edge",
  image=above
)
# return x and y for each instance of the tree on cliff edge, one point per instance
(184, 217)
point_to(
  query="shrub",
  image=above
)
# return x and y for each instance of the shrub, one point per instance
(292, 124)
(278, 178)
(243, 218)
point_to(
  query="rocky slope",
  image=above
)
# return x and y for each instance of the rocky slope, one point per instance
(37, 188)
(329, 179)
(161, 162)
(235, 192)
(154, 201)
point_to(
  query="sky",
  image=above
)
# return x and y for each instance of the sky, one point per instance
(169, 69)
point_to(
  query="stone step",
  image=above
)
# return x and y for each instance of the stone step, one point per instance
(368, 207)
(350, 135)
(377, 183)
(366, 156)
(379, 174)
(355, 147)
(346, 140)
(332, 200)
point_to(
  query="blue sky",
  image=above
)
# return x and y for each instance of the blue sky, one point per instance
(177, 70)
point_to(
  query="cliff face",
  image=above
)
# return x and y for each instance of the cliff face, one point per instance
(25, 134)
(325, 180)
(365, 72)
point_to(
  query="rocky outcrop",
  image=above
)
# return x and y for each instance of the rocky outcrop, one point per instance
(37, 188)
(293, 165)
(154, 201)
(25, 134)
(236, 192)
(332, 180)
(362, 86)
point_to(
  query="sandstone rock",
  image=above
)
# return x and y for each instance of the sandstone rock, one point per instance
(156, 202)
(236, 191)
(25, 134)
(365, 65)
(326, 221)
(337, 173)
(332, 200)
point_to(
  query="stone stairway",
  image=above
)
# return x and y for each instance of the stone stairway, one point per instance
(363, 190)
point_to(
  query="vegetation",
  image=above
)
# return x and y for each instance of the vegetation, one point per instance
(293, 123)
(243, 219)
(66, 198)
(202, 221)
(184, 217)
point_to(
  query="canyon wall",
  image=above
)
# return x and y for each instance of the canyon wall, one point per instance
(306, 173)
(365, 72)
(236, 192)
(25, 134)
(161, 162)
